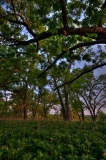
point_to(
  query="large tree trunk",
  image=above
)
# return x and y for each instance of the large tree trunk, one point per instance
(94, 117)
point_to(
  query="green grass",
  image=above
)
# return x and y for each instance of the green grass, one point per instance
(52, 140)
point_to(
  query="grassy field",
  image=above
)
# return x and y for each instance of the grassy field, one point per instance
(52, 140)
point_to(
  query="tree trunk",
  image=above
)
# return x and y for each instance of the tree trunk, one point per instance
(34, 112)
(79, 115)
(61, 100)
(67, 107)
(82, 113)
(25, 110)
(45, 111)
(14, 113)
(93, 115)
(36, 108)
(6, 107)
(45, 115)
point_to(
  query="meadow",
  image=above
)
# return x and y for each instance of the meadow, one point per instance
(52, 140)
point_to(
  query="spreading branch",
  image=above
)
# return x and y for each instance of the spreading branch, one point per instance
(44, 35)
(81, 74)
(73, 48)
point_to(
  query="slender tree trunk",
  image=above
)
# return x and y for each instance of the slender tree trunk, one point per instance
(82, 113)
(25, 101)
(6, 107)
(14, 113)
(34, 111)
(61, 100)
(25, 110)
(45, 114)
(44, 110)
(68, 116)
(36, 108)
(93, 115)
(79, 116)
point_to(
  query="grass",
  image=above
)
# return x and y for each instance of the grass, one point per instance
(52, 140)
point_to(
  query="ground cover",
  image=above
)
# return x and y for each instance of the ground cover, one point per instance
(52, 140)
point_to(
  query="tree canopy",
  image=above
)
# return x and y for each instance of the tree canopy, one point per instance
(41, 41)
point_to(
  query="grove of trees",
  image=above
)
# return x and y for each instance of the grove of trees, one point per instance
(40, 45)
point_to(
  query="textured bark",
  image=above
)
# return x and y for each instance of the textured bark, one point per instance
(67, 31)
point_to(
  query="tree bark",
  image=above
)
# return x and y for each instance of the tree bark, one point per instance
(25, 110)
(82, 113)
(6, 107)
(61, 100)
(45, 111)
(67, 107)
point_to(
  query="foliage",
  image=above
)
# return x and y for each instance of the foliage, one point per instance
(101, 116)
(35, 140)
(40, 43)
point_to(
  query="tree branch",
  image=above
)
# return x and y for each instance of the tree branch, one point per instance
(81, 74)
(64, 14)
(12, 3)
(6, 81)
(23, 22)
(71, 49)
(44, 35)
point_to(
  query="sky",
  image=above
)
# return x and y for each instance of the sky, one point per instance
(98, 71)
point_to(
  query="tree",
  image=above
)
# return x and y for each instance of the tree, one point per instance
(56, 34)
(77, 106)
(23, 77)
(28, 22)
(57, 76)
(48, 99)
(8, 65)
(101, 116)
(92, 93)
